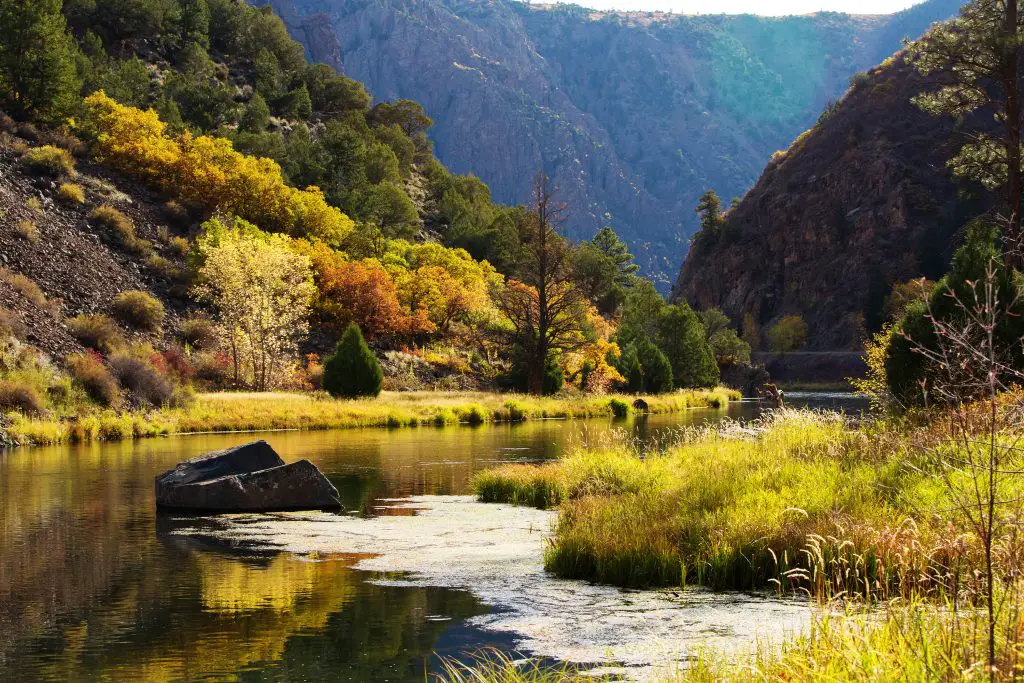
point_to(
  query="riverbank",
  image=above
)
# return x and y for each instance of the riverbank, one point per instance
(863, 520)
(798, 500)
(225, 412)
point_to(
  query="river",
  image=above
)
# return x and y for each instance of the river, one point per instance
(95, 585)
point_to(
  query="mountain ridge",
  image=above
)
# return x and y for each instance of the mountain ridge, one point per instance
(863, 201)
(633, 116)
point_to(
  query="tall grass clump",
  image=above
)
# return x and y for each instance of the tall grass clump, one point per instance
(71, 193)
(96, 332)
(49, 160)
(138, 309)
(498, 667)
(798, 501)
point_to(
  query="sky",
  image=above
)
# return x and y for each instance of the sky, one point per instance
(767, 7)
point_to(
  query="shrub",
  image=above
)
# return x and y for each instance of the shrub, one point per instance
(618, 407)
(34, 205)
(11, 325)
(67, 142)
(20, 397)
(49, 160)
(140, 310)
(88, 372)
(211, 368)
(121, 227)
(27, 230)
(96, 332)
(789, 334)
(176, 213)
(71, 193)
(165, 267)
(28, 288)
(147, 386)
(352, 370)
(199, 332)
(28, 131)
(179, 246)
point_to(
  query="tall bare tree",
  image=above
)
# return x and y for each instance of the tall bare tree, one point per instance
(544, 304)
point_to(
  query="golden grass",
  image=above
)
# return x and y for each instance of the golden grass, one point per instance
(802, 502)
(236, 411)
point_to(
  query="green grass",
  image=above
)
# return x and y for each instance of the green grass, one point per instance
(807, 504)
(220, 412)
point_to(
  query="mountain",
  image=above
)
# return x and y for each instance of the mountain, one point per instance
(633, 114)
(862, 201)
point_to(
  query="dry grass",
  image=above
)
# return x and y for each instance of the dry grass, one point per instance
(27, 230)
(71, 193)
(807, 504)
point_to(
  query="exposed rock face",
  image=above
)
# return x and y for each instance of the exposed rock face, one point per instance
(246, 478)
(633, 114)
(864, 200)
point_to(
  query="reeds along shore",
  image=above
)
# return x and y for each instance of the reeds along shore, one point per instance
(804, 504)
(222, 412)
(800, 501)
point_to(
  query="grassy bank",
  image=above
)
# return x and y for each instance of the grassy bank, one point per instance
(800, 501)
(222, 412)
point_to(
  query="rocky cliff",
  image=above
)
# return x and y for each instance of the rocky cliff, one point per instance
(861, 201)
(634, 114)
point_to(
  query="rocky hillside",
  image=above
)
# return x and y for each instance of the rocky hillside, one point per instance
(860, 202)
(57, 261)
(634, 114)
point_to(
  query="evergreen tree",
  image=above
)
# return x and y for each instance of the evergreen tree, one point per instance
(655, 368)
(710, 211)
(256, 115)
(979, 53)
(681, 337)
(37, 59)
(352, 370)
(615, 249)
(194, 23)
(628, 365)
(640, 313)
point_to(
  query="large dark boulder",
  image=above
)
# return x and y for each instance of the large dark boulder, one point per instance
(248, 478)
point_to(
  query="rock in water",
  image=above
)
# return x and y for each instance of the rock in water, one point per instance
(248, 478)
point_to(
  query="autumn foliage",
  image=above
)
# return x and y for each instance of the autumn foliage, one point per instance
(207, 171)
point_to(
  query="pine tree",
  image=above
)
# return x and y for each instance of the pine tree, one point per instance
(656, 368)
(681, 337)
(710, 211)
(615, 249)
(37, 59)
(352, 370)
(979, 52)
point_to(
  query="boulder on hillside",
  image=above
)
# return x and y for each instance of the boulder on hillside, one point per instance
(247, 478)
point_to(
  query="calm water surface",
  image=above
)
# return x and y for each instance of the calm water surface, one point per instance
(94, 585)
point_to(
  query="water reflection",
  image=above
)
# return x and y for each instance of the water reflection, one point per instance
(90, 587)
